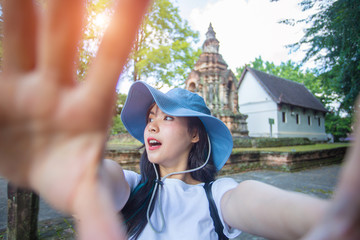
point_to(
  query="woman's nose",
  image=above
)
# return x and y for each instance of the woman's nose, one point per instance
(153, 127)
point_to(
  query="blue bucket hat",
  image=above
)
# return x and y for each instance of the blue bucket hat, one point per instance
(178, 103)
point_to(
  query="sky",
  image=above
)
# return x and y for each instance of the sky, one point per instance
(246, 29)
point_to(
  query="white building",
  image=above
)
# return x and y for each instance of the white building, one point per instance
(278, 107)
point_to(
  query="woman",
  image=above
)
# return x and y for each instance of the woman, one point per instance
(53, 132)
(171, 169)
(176, 129)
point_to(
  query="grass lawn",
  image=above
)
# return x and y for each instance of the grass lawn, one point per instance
(301, 148)
(124, 142)
(130, 142)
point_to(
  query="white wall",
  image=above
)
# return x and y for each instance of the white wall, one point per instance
(250, 91)
(258, 105)
(291, 129)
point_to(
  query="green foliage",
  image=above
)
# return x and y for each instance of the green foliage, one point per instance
(120, 102)
(333, 40)
(123, 141)
(163, 50)
(270, 142)
(279, 142)
(117, 125)
(242, 142)
(338, 126)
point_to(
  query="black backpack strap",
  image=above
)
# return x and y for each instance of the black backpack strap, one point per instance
(214, 212)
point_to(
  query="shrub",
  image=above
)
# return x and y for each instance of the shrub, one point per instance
(240, 142)
(270, 142)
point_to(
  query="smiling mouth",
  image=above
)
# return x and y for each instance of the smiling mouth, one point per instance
(153, 144)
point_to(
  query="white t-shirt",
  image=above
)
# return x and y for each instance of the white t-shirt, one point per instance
(186, 210)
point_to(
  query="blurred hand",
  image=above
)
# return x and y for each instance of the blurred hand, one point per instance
(342, 221)
(53, 129)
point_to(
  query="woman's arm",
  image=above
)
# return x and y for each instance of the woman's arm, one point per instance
(264, 210)
(342, 220)
(267, 211)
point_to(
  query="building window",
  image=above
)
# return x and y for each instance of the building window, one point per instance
(309, 120)
(319, 122)
(297, 119)
(283, 117)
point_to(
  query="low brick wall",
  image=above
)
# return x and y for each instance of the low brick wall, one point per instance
(128, 158)
(284, 161)
(250, 160)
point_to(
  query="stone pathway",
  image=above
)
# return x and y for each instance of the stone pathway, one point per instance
(318, 182)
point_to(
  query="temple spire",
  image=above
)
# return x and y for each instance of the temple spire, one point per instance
(211, 44)
(217, 84)
(210, 33)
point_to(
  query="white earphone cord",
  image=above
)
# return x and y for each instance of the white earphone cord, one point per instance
(159, 181)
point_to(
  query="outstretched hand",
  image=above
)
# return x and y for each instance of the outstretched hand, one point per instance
(342, 220)
(53, 129)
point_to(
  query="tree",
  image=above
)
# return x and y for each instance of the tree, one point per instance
(334, 41)
(338, 126)
(163, 49)
(117, 125)
(94, 28)
(163, 52)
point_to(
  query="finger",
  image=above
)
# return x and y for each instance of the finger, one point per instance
(59, 36)
(346, 207)
(342, 219)
(19, 35)
(350, 177)
(115, 47)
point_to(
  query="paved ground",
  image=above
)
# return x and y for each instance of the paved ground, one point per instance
(317, 182)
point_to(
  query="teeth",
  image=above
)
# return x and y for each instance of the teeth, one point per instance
(154, 142)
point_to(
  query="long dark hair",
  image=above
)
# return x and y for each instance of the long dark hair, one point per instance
(134, 211)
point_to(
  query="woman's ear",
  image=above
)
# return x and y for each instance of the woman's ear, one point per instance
(195, 136)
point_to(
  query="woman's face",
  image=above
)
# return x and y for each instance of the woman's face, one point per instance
(168, 140)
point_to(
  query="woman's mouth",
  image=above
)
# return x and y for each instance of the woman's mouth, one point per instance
(153, 143)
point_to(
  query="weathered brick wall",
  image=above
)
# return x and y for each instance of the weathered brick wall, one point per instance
(244, 161)
(128, 159)
(288, 161)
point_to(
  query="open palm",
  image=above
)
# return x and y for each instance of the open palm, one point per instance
(52, 129)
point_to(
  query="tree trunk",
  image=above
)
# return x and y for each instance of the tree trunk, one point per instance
(23, 209)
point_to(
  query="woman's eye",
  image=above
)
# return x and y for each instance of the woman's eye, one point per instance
(150, 120)
(168, 118)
